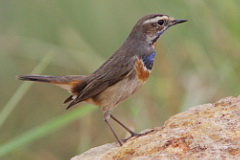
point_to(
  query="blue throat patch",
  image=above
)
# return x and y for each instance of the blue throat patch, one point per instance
(148, 60)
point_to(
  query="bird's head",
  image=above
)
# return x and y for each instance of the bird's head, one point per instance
(151, 27)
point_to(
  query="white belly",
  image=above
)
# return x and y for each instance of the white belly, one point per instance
(118, 92)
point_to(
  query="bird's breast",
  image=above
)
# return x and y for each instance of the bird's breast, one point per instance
(124, 88)
(144, 66)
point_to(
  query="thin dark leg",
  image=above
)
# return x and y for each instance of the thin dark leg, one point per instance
(125, 127)
(129, 130)
(115, 135)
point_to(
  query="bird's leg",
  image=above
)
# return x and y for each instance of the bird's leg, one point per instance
(106, 119)
(129, 130)
(124, 126)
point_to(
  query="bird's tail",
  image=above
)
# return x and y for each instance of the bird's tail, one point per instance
(65, 82)
(40, 78)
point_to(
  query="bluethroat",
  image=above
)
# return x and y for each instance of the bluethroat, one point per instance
(121, 75)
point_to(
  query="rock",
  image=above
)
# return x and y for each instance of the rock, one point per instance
(208, 131)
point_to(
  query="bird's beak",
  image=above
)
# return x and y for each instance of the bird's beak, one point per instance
(177, 21)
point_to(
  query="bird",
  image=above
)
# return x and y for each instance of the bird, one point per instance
(120, 76)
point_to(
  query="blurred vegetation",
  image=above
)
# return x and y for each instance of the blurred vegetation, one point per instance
(197, 62)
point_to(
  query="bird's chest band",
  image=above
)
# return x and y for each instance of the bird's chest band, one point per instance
(143, 67)
(149, 60)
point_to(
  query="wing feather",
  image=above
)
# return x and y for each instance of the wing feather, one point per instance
(112, 71)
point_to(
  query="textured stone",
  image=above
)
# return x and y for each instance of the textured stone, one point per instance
(208, 131)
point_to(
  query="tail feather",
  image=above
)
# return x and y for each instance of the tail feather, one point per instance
(65, 82)
(72, 83)
(37, 78)
(70, 98)
(51, 79)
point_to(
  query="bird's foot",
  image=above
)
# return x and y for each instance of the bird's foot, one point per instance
(133, 134)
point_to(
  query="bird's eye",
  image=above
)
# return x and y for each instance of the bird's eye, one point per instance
(161, 22)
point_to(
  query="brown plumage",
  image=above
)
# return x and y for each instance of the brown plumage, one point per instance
(121, 75)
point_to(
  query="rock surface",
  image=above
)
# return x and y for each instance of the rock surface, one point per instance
(208, 131)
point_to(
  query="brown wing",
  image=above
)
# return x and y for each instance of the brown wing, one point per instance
(112, 71)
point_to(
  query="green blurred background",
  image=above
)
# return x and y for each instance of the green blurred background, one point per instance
(197, 62)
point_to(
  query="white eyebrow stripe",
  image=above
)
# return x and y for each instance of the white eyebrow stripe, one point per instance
(154, 19)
